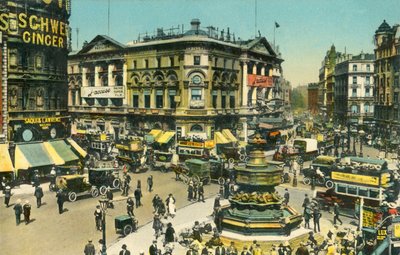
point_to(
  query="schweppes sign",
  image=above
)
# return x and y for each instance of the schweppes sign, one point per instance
(45, 29)
(356, 178)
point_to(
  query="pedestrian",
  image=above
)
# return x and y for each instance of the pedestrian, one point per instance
(257, 250)
(124, 250)
(196, 231)
(139, 184)
(129, 206)
(219, 215)
(200, 192)
(110, 197)
(153, 250)
(217, 203)
(7, 195)
(60, 201)
(220, 250)
(150, 183)
(157, 225)
(286, 248)
(286, 197)
(138, 195)
(98, 217)
(169, 233)
(316, 217)
(302, 250)
(170, 203)
(18, 211)
(336, 214)
(307, 216)
(190, 190)
(89, 248)
(306, 202)
(245, 251)
(161, 208)
(232, 250)
(36, 179)
(38, 194)
(226, 188)
(27, 212)
(155, 202)
(195, 189)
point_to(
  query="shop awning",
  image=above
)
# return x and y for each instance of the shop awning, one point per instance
(76, 146)
(220, 138)
(64, 150)
(31, 155)
(57, 159)
(228, 134)
(166, 137)
(155, 133)
(5, 160)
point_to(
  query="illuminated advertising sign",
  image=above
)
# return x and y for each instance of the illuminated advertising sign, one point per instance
(259, 81)
(45, 28)
(356, 178)
(103, 92)
(371, 217)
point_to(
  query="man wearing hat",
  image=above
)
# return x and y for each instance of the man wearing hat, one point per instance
(124, 251)
(7, 195)
(336, 214)
(27, 212)
(286, 197)
(153, 248)
(18, 211)
(38, 194)
(89, 248)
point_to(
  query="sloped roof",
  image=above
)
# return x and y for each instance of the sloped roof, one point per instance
(251, 44)
(101, 39)
(384, 27)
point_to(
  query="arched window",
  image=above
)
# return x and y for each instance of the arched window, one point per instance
(366, 108)
(196, 128)
(354, 109)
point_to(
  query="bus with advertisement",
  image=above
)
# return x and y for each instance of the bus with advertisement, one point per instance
(192, 149)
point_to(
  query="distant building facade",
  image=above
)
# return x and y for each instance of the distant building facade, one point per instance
(312, 94)
(354, 89)
(191, 82)
(387, 69)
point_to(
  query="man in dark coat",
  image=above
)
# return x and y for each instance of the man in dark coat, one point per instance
(129, 206)
(7, 195)
(196, 231)
(226, 188)
(27, 212)
(169, 233)
(153, 250)
(98, 217)
(110, 197)
(220, 250)
(336, 214)
(18, 211)
(306, 202)
(150, 183)
(190, 191)
(286, 197)
(60, 201)
(200, 192)
(124, 250)
(316, 217)
(219, 215)
(38, 194)
(138, 195)
(89, 248)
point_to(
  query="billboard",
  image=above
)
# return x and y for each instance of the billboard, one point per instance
(102, 92)
(45, 27)
(259, 81)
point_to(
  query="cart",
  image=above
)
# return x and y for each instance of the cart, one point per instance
(125, 224)
(197, 170)
(75, 185)
(103, 178)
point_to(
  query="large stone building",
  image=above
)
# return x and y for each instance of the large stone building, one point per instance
(312, 93)
(35, 116)
(387, 66)
(354, 89)
(326, 84)
(194, 82)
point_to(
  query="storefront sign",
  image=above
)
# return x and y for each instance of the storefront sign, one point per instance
(45, 120)
(191, 144)
(371, 217)
(39, 28)
(356, 178)
(259, 81)
(382, 233)
(103, 92)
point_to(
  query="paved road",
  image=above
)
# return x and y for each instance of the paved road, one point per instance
(51, 233)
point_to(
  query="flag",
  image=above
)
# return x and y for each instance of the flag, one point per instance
(276, 24)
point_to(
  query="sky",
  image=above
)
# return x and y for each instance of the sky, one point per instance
(307, 28)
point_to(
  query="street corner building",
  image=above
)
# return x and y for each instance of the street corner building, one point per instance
(194, 82)
(34, 39)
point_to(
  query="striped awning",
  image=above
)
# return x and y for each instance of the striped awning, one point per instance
(5, 159)
(57, 159)
(64, 150)
(31, 155)
(76, 146)
(220, 138)
(166, 137)
(228, 134)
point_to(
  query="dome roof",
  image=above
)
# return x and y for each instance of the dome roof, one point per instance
(384, 27)
(195, 29)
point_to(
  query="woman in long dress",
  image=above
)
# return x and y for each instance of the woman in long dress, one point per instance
(170, 201)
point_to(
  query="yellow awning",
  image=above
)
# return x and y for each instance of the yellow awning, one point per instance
(21, 162)
(5, 160)
(220, 138)
(228, 134)
(53, 154)
(166, 137)
(155, 133)
(76, 146)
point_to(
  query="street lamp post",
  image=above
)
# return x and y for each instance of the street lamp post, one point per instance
(354, 132)
(361, 134)
(103, 205)
(343, 134)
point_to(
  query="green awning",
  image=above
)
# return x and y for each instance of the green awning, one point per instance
(31, 155)
(64, 150)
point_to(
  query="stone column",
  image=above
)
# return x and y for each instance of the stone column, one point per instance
(77, 97)
(254, 89)
(219, 98)
(244, 84)
(166, 98)
(125, 84)
(84, 78)
(111, 80)
(97, 80)
(153, 98)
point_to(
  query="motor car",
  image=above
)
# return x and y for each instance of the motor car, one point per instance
(75, 186)
(102, 178)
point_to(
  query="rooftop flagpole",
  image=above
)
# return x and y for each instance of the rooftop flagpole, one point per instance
(108, 18)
